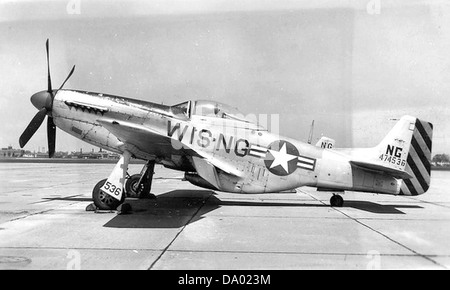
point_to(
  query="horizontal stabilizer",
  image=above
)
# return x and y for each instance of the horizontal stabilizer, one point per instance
(380, 168)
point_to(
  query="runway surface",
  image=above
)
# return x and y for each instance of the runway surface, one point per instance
(44, 225)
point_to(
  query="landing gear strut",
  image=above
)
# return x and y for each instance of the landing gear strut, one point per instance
(108, 194)
(103, 200)
(139, 185)
(336, 200)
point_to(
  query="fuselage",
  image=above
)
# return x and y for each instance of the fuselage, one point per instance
(268, 162)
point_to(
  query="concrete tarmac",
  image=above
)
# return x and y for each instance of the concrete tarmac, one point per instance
(44, 225)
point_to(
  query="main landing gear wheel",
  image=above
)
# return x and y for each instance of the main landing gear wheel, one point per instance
(134, 189)
(103, 200)
(140, 185)
(336, 201)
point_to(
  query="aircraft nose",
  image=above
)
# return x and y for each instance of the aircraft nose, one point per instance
(41, 100)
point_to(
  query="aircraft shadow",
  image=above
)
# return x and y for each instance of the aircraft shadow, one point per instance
(178, 208)
(377, 208)
(70, 198)
(173, 209)
(67, 198)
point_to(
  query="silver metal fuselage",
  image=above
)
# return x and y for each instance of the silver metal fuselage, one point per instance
(228, 141)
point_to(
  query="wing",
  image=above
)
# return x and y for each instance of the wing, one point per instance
(156, 144)
(143, 138)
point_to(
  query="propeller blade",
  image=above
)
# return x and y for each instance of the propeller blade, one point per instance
(49, 87)
(70, 74)
(32, 127)
(51, 136)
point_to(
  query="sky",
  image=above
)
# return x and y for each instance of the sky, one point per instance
(350, 66)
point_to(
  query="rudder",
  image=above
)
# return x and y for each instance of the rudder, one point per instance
(418, 162)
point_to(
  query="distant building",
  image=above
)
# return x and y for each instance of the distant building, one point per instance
(10, 152)
(41, 155)
(92, 155)
(28, 154)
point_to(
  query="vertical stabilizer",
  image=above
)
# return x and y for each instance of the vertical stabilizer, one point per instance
(418, 163)
(393, 150)
(407, 147)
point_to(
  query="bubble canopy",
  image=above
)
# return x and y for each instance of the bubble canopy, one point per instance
(210, 109)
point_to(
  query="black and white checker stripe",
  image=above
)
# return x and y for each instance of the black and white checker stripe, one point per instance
(418, 160)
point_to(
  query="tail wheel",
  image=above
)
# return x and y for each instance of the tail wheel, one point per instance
(103, 200)
(133, 189)
(336, 201)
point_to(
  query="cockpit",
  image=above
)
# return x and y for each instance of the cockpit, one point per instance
(209, 109)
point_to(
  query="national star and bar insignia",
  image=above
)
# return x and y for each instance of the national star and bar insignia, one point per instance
(282, 158)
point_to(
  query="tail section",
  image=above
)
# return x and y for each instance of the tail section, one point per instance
(407, 148)
(392, 152)
(418, 162)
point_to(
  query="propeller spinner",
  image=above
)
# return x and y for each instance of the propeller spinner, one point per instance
(43, 101)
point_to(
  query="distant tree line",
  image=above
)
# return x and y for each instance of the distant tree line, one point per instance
(441, 158)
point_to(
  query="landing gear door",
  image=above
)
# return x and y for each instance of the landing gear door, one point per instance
(114, 185)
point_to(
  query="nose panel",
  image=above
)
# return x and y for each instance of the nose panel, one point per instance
(42, 100)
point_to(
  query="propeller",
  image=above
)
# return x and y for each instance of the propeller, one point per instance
(43, 101)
